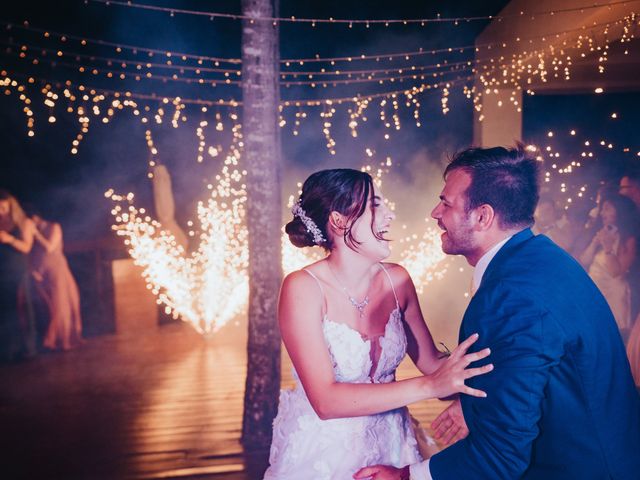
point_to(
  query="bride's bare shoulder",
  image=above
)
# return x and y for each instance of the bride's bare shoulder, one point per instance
(297, 279)
(300, 297)
(305, 274)
(303, 283)
(396, 270)
(399, 276)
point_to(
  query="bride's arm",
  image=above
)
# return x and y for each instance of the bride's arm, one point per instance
(421, 348)
(299, 315)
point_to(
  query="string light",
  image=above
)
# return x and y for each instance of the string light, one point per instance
(453, 66)
(561, 177)
(209, 81)
(152, 150)
(123, 63)
(10, 85)
(326, 115)
(350, 22)
(493, 74)
(525, 66)
(133, 49)
(120, 47)
(92, 99)
(357, 114)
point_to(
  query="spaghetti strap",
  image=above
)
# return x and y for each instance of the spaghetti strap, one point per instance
(324, 297)
(393, 289)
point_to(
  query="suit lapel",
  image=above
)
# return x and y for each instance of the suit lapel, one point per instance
(507, 251)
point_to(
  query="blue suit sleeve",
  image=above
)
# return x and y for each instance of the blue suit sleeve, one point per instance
(525, 344)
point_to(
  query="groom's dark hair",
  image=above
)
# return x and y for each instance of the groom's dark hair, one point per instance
(506, 179)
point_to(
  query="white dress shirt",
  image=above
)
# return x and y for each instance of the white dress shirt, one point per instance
(420, 471)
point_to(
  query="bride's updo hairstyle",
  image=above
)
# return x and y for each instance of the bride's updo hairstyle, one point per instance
(340, 190)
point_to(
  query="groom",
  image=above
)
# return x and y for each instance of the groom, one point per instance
(561, 402)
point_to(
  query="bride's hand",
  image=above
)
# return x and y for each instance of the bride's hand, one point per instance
(450, 377)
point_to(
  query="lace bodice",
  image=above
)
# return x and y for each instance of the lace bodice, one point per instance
(353, 356)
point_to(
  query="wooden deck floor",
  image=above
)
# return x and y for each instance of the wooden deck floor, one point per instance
(167, 404)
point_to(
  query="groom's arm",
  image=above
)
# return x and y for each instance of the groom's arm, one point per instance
(525, 344)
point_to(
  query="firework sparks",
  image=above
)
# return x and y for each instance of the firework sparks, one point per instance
(423, 258)
(208, 287)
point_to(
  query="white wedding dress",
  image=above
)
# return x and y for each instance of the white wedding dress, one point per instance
(306, 447)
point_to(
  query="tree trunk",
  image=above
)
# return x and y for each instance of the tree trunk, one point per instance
(262, 154)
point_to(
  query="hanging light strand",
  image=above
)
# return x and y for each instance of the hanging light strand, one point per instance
(139, 64)
(350, 22)
(119, 47)
(125, 63)
(301, 61)
(411, 73)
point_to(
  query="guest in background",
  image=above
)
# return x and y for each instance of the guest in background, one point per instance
(56, 287)
(17, 331)
(610, 254)
(551, 224)
(591, 222)
(630, 187)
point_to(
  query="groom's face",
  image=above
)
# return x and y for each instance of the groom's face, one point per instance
(458, 236)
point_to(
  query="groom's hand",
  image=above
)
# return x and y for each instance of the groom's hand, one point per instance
(449, 426)
(383, 472)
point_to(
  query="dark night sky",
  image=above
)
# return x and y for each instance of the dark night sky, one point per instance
(42, 172)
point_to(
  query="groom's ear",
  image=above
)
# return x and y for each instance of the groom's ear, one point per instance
(485, 216)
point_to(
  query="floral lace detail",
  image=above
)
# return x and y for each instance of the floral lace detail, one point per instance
(352, 358)
(394, 348)
(349, 352)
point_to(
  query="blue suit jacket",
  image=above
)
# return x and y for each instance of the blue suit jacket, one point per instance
(561, 401)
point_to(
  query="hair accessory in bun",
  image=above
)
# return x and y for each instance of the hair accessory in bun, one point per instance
(312, 228)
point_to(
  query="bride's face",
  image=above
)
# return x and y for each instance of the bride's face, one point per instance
(364, 231)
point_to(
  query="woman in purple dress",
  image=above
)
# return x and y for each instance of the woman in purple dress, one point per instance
(56, 286)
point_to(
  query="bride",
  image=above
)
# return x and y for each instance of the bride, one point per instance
(347, 322)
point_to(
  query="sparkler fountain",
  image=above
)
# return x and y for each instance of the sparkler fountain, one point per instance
(209, 286)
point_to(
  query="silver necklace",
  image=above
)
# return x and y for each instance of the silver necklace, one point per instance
(358, 305)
